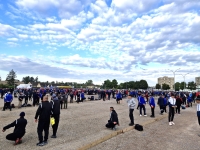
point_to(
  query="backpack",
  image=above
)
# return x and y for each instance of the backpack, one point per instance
(92, 98)
(139, 127)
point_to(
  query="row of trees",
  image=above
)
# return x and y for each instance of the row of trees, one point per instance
(178, 86)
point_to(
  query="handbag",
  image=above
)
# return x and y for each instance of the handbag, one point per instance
(52, 121)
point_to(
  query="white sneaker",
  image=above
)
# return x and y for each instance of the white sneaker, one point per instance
(170, 123)
(145, 115)
(140, 115)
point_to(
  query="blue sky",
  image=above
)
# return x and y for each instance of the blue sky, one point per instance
(78, 40)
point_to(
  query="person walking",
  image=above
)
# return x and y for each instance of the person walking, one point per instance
(172, 106)
(20, 98)
(152, 105)
(19, 131)
(161, 103)
(55, 113)
(131, 105)
(65, 100)
(44, 112)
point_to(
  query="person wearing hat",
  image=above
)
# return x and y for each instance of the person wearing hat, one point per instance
(131, 105)
(152, 105)
(19, 131)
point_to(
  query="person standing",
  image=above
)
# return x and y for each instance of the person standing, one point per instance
(44, 112)
(19, 131)
(82, 96)
(56, 114)
(7, 101)
(161, 104)
(178, 104)
(65, 99)
(113, 121)
(142, 104)
(152, 105)
(198, 110)
(172, 106)
(26, 96)
(131, 105)
(20, 100)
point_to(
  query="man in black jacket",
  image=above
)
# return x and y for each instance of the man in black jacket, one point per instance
(55, 102)
(113, 119)
(44, 113)
(161, 104)
(19, 131)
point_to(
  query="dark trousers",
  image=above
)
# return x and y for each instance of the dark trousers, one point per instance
(110, 125)
(198, 119)
(65, 104)
(34, 101)
(164, 108)
(108, 96)
(131, 115)
(61, 104)
(14, 136)
(26, 100)
(8, 105)
(171, 114)
(144, 109)
(178, 109)
(161, 109)
(55, 126)
(152, 111)
(43, 126)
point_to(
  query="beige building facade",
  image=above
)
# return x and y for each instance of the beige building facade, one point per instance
(197, 81)
(166, 80)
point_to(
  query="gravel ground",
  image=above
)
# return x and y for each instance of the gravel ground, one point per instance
(81, 124)
(159, 135)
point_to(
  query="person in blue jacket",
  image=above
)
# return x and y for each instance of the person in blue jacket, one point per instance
(7, 101)
(119, 97)
(142, 104)
(152, 105)
(189, 100)
(82, 96)
(165, 105)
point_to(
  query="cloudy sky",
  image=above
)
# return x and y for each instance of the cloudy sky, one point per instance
(77, 40)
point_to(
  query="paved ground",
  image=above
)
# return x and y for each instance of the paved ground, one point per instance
(84, 123)
(159, 135)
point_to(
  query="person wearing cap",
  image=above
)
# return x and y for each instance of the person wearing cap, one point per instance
(172, 106)
(131, 105)
(19, 131)
(152, 105)
(44, 113)
(55, 102)
(7, 101)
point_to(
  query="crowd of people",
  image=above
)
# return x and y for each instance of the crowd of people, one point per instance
(59, 97)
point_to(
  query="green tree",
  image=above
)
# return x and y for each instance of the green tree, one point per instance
(165, 86)
(177, 86)
(26, 79)
(107, 84)
(143, 84)
(89, 83)
(182, 85)
(114, 83)
(158, 86)
(11, 78)
(192, 85)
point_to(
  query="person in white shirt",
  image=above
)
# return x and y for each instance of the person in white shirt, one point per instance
(172, 106)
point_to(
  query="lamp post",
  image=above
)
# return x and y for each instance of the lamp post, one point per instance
(184, 78)
(174, 72)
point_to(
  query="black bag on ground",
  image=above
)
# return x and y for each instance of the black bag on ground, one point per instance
(139, 127)
(183, 107)
(92, 98)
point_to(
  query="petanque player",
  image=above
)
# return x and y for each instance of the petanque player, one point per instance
(19, 131)
(113, 121)
(142, 104)
(152, 105)
(56, 114)
(44, 113)
(131, 105)
(172, 106)
(198, 110)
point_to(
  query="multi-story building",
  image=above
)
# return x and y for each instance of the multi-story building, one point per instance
(197, 81)
(166, 80)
